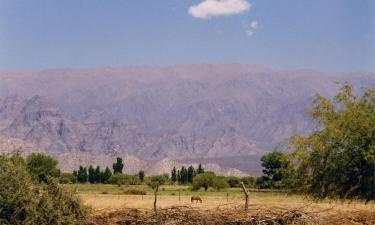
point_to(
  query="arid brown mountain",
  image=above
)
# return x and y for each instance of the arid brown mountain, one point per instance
(228, 114)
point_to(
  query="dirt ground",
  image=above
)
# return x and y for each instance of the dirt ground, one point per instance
(263, 209)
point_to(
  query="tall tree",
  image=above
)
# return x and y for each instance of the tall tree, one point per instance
(190, 174)
(141, 175)
(91, 174)
(174, 175)
(184, 175)
(118, 166)
(338, 158)
(276, 167)
(200, 169)
(106, 175)
(97, 175)
(82, 175)
(178, 177)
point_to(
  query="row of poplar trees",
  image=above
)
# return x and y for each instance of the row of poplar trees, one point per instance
(185, 175)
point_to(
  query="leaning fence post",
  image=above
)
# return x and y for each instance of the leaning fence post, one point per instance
(246, 196)
(155, 192)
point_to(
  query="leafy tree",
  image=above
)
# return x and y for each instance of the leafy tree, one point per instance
(263, 182)
(233, 181)
(82, 176)
(161, 179)
(190, 174)
(118, 166)
(106, 175)
(141, 175)
(174, 175)
(276, 165)
(42, 166)
(91, 175)
(219, 183)
(200, 169)
(204, 180)
(248, 181)
(338, 158)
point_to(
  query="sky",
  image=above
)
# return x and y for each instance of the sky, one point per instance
(324, 35)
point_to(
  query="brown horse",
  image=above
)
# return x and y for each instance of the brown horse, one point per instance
(196, 198)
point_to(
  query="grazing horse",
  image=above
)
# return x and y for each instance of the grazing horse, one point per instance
(196, 198)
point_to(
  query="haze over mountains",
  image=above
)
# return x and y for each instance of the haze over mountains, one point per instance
(229, 114)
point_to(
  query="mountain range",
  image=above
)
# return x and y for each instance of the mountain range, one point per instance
(156, 117)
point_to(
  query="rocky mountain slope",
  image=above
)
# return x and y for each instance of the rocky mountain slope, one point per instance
(183, 113)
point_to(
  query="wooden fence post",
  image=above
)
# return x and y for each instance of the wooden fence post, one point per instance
(155, 192)
(179, 195)
(246, 196)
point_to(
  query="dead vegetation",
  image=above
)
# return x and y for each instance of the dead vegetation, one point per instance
(233, 215)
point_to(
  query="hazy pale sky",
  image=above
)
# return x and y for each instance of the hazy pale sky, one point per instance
(327, 35)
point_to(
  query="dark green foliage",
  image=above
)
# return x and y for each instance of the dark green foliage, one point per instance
(24, 200)
(91, 175)
(118, 166)
(82, 176)
(183, 175)
(141, 175)
(118, 179)
(263, 182)
(178, 177)
(248, 181)
(338, 159)
(106, 175)
(233, 181)
(42, 166)
(200, 169)
(67, 178)
(190, 174)
(174, 175)
(97, 175)
(276, 168)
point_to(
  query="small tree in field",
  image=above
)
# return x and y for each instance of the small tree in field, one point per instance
(204, 180)
(174, 175)
(200, 169)
(82, 176)
(91, 175)
(106, 175)
(118, 166)
(141, 175)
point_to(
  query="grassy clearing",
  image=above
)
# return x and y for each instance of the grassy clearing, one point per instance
(163, 190)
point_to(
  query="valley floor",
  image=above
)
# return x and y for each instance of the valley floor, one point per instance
(112, 207)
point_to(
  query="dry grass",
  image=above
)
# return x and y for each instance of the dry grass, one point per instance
(274, 208)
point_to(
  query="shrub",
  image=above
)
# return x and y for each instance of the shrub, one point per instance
(233, 181)
(67, 178)
(23, 200)
(41, 166)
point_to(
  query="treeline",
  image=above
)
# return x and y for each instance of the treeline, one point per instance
(185, 175)
(337, 160)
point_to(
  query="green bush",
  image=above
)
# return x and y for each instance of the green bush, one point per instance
(23, 200)
(233, 181)
(67, 178)
(134, 192)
